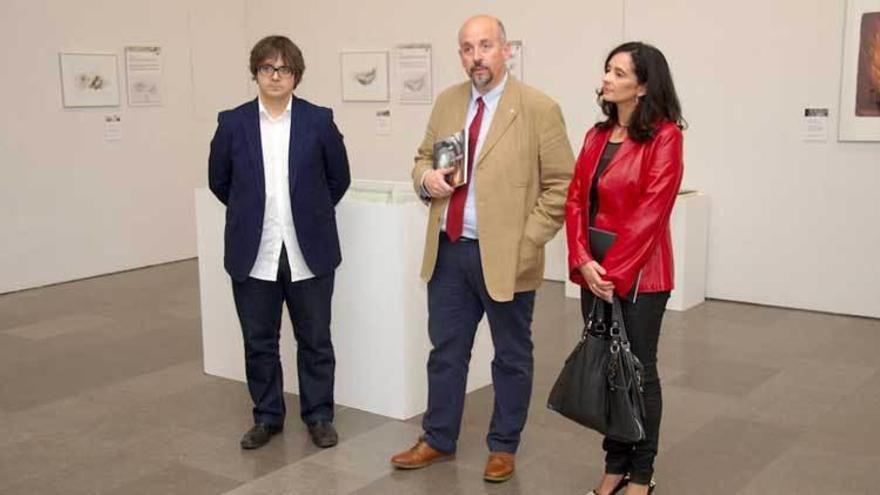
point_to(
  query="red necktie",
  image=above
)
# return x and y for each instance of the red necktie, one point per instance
(455, 211)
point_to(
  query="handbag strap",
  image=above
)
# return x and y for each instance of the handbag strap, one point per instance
(596, 317)
(618, 327)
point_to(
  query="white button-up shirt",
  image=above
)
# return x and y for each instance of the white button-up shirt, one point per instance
(278, 225)
(490, 100)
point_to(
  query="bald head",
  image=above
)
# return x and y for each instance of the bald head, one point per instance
(483, 48)
(484, 22)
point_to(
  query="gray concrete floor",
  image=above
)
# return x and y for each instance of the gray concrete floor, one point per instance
(102, 391)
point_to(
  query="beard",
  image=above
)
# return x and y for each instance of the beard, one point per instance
(480, 79)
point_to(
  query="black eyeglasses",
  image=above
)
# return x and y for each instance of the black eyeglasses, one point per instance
(269, 70)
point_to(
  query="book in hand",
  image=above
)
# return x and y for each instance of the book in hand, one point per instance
(600, 243)
(451, 152)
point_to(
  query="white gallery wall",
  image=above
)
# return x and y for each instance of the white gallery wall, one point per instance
(792, 223)
(73, 205)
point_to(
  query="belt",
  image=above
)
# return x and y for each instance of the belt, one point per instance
(444, 237)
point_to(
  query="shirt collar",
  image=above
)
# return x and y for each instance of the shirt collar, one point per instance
(265, 112)
(492, 96)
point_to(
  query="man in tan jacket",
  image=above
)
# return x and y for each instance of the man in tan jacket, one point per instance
(484, 250)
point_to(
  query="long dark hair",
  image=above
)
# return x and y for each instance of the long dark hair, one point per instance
(659, 102)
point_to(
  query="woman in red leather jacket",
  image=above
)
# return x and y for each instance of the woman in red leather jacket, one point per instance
(625, 182)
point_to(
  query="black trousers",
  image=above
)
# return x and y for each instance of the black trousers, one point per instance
(642, 319)
(259, 304)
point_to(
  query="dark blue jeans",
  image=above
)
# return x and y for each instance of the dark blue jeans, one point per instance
(259, 305)
(457, 300)
(642, 319)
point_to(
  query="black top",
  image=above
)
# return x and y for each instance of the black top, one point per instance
(607, 155)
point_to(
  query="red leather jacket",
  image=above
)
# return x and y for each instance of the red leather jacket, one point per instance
(636, 194)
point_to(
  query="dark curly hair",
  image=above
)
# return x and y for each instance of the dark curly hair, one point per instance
(660, 103)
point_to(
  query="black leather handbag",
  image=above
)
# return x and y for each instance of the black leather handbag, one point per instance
(600, 385)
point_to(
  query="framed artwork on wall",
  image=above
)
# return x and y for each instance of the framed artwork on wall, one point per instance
(89, 80)
(515, 62)
(860, 80)
(364, 76)
(143, 75)
(412, 68)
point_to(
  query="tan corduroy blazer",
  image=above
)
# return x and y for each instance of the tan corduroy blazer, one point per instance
(522, 176)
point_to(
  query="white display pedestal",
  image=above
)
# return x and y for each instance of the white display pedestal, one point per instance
(690, 237)
(556, 258)
(690, 229)
(379, 305)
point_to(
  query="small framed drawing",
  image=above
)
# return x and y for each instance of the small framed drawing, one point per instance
(860, 81)
(364, 76)
(515, 62)
(89, 80)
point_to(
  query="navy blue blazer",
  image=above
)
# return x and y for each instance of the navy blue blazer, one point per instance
(318, 177)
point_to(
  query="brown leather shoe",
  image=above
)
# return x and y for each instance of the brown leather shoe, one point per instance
(420, 455)
(499, 467)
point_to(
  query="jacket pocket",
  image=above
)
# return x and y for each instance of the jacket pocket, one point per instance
(529, 259)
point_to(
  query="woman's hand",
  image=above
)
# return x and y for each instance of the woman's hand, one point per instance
(592, 273)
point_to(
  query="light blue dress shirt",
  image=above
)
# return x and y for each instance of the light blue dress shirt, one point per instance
(490, 100)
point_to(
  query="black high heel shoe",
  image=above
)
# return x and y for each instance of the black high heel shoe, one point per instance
(620, 486)
(651, 486)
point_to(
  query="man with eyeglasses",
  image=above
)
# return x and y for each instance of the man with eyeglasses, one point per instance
(484, 249)
(279, 165)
